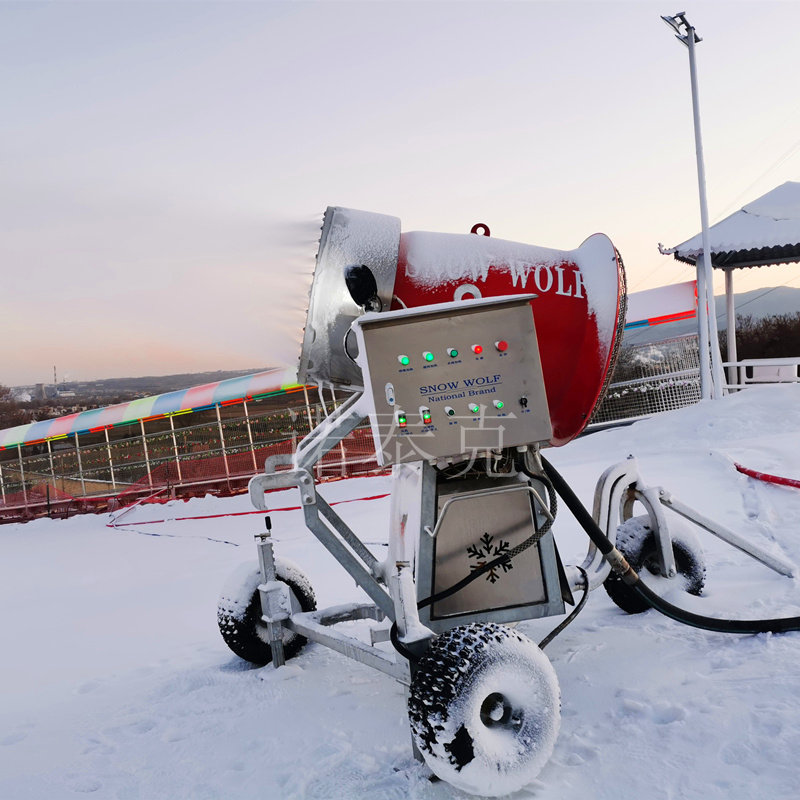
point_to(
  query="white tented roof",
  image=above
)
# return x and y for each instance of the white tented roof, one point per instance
(766, 231)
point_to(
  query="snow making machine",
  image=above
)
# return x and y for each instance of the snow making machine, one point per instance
(468, 355)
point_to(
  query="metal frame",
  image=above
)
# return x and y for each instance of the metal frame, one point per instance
(316, 625)
(344, 545)
(391, 584)
(620, 487)
(331, 530)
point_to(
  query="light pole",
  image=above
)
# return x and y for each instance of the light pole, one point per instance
(711, 376)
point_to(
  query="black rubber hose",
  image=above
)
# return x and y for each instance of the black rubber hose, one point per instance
(624, 570)
(575, 611)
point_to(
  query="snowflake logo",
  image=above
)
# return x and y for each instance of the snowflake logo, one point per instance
(485, 551)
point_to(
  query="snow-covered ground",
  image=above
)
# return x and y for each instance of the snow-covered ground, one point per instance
(114, 680)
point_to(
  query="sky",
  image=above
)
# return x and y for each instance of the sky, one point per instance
(165, 166)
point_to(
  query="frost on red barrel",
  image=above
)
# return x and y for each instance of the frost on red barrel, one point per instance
(578, 311)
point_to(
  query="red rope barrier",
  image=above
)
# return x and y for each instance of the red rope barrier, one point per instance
(241, 513)
(764, 476)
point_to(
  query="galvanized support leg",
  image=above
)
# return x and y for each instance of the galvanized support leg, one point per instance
(414, 635)
(338, 524)
(329, 433)
(608, 496)
(621, 486)
(345, 557)
(775, 563)
(270, 592)
(650, 497)
(326, 527)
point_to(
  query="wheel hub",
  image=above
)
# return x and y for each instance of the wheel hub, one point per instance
(497, 711)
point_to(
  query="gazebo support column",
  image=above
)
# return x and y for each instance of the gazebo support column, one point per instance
(731, 311)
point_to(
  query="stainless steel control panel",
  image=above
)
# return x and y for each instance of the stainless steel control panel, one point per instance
(453, 380)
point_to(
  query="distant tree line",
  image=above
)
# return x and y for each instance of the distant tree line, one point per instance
(768, 337)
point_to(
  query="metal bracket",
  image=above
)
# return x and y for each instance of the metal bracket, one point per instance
(608, 498)
(650, 497)
(620, 486)
(301, 478)
(321, 519)
(412, 633)
(343, 421)
(317, 626)
(775, 563)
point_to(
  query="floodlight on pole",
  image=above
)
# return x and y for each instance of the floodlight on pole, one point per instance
(678, 22)
(711, 376)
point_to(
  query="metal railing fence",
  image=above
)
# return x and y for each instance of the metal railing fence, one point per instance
(219, 455)
(222, 454)
(650, 379)
(753, 371)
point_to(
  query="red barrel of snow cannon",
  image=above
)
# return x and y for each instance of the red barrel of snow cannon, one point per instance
(579, 311)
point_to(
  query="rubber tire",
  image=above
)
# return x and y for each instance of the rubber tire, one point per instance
(470, 675)
(637, 542)
(239, 612)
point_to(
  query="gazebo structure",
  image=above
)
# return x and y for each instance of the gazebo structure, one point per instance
(763, 233)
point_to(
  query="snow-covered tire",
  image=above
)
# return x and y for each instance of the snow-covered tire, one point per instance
(637, 542)
(239, 611)
(485, 708)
